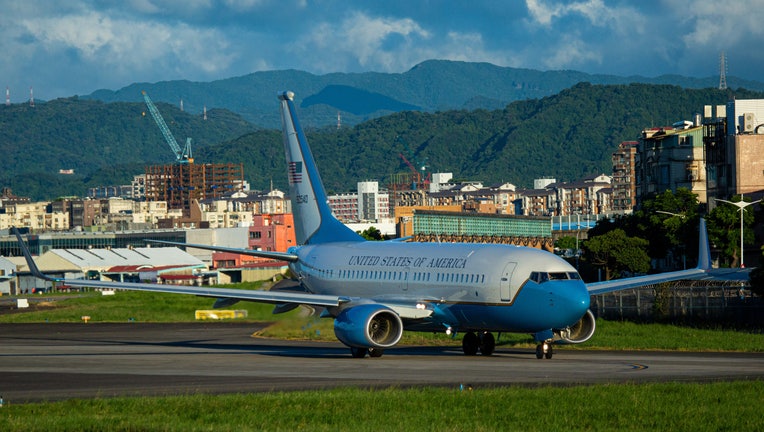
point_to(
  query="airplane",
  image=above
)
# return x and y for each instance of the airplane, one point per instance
(376, 290)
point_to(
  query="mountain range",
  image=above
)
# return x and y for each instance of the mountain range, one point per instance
(434, 85)
(444, 116)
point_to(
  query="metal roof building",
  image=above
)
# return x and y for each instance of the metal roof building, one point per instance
(129, 264)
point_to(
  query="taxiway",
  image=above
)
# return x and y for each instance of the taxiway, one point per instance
(45, 362)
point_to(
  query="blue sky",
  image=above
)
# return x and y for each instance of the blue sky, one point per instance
(63, 48)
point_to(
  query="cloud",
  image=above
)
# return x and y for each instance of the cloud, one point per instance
(570, 53)
(362, 41)
(595, 12)
(709, 24)
(367, 43)
(130, 46)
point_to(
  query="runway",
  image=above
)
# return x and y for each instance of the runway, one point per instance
(45, 362)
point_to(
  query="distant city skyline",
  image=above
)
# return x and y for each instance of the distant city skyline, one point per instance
(76, 47)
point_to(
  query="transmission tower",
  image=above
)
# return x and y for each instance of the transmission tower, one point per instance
(722, 71)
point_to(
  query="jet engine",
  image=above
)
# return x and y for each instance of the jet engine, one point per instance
(579, 332)
(368, 326)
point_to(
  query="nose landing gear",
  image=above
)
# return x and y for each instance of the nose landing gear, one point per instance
(544, 350)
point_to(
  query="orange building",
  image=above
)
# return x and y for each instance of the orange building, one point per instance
(272, 232)
(269, 232)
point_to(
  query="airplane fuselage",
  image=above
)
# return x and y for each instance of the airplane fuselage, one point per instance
(470, 286)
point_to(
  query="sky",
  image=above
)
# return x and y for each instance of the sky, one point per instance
(74, 47)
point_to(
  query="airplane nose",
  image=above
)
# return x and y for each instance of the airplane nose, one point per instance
(574, 301)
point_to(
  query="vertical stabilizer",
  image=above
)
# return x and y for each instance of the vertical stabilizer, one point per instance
(313, 219)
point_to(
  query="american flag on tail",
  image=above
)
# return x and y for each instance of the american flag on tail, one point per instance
(295, 172)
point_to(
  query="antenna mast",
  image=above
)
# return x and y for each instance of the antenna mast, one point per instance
(722, 71)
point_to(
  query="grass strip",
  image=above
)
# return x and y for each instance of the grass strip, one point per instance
(721, 406)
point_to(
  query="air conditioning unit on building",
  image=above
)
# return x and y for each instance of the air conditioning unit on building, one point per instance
(749, 120)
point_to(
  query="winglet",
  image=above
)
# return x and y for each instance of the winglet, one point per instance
(313, 219)
(704, 250)
(28, 257)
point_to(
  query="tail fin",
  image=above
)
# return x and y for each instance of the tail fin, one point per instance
(313, 219)
(704, 250)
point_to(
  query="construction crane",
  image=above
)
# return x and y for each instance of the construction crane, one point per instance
(419, 179)
(181, 156)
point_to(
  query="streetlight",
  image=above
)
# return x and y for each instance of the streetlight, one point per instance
(741, 205)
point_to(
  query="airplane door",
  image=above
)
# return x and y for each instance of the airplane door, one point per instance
(505, 285)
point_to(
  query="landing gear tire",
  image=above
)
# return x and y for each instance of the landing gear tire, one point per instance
(544, 350)
(358, 352)
(470, 344)
(376, 352)
(487, 343)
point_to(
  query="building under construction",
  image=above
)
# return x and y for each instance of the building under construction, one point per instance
(180, 184)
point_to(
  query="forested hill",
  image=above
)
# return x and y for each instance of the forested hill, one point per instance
(565, 136)
(105, 144)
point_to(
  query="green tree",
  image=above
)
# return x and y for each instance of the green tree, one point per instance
(566, 242)
(672, 223)
(372, 233)
(617, 253)
(669, 220)
(724, 230)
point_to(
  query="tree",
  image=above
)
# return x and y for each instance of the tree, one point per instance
(670, 220)
(617, 253)
(724, 231)
(372, 233)
(566, 242)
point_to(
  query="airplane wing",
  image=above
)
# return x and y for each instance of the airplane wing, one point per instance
(603, 287)
(702, 271)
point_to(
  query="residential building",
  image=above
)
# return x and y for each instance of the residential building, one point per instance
(624, 195)
(368, 204)
(669, 158)
(734, 148)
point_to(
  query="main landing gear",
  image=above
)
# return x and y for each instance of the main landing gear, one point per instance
(544, 350)
(483, 341)
(361, 352)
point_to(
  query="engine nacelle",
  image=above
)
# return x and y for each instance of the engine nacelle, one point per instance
(368, 326)
(579, 332)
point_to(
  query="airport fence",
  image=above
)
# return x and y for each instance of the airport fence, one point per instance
(687, 302)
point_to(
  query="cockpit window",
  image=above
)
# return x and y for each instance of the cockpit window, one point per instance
(541, 277)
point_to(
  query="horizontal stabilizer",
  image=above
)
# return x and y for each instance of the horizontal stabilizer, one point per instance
(281, 256)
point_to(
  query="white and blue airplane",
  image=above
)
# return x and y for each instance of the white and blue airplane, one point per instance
(376, 290)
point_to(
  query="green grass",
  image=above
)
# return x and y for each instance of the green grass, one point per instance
(733, 406)
(666, 406)
(298, 324)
